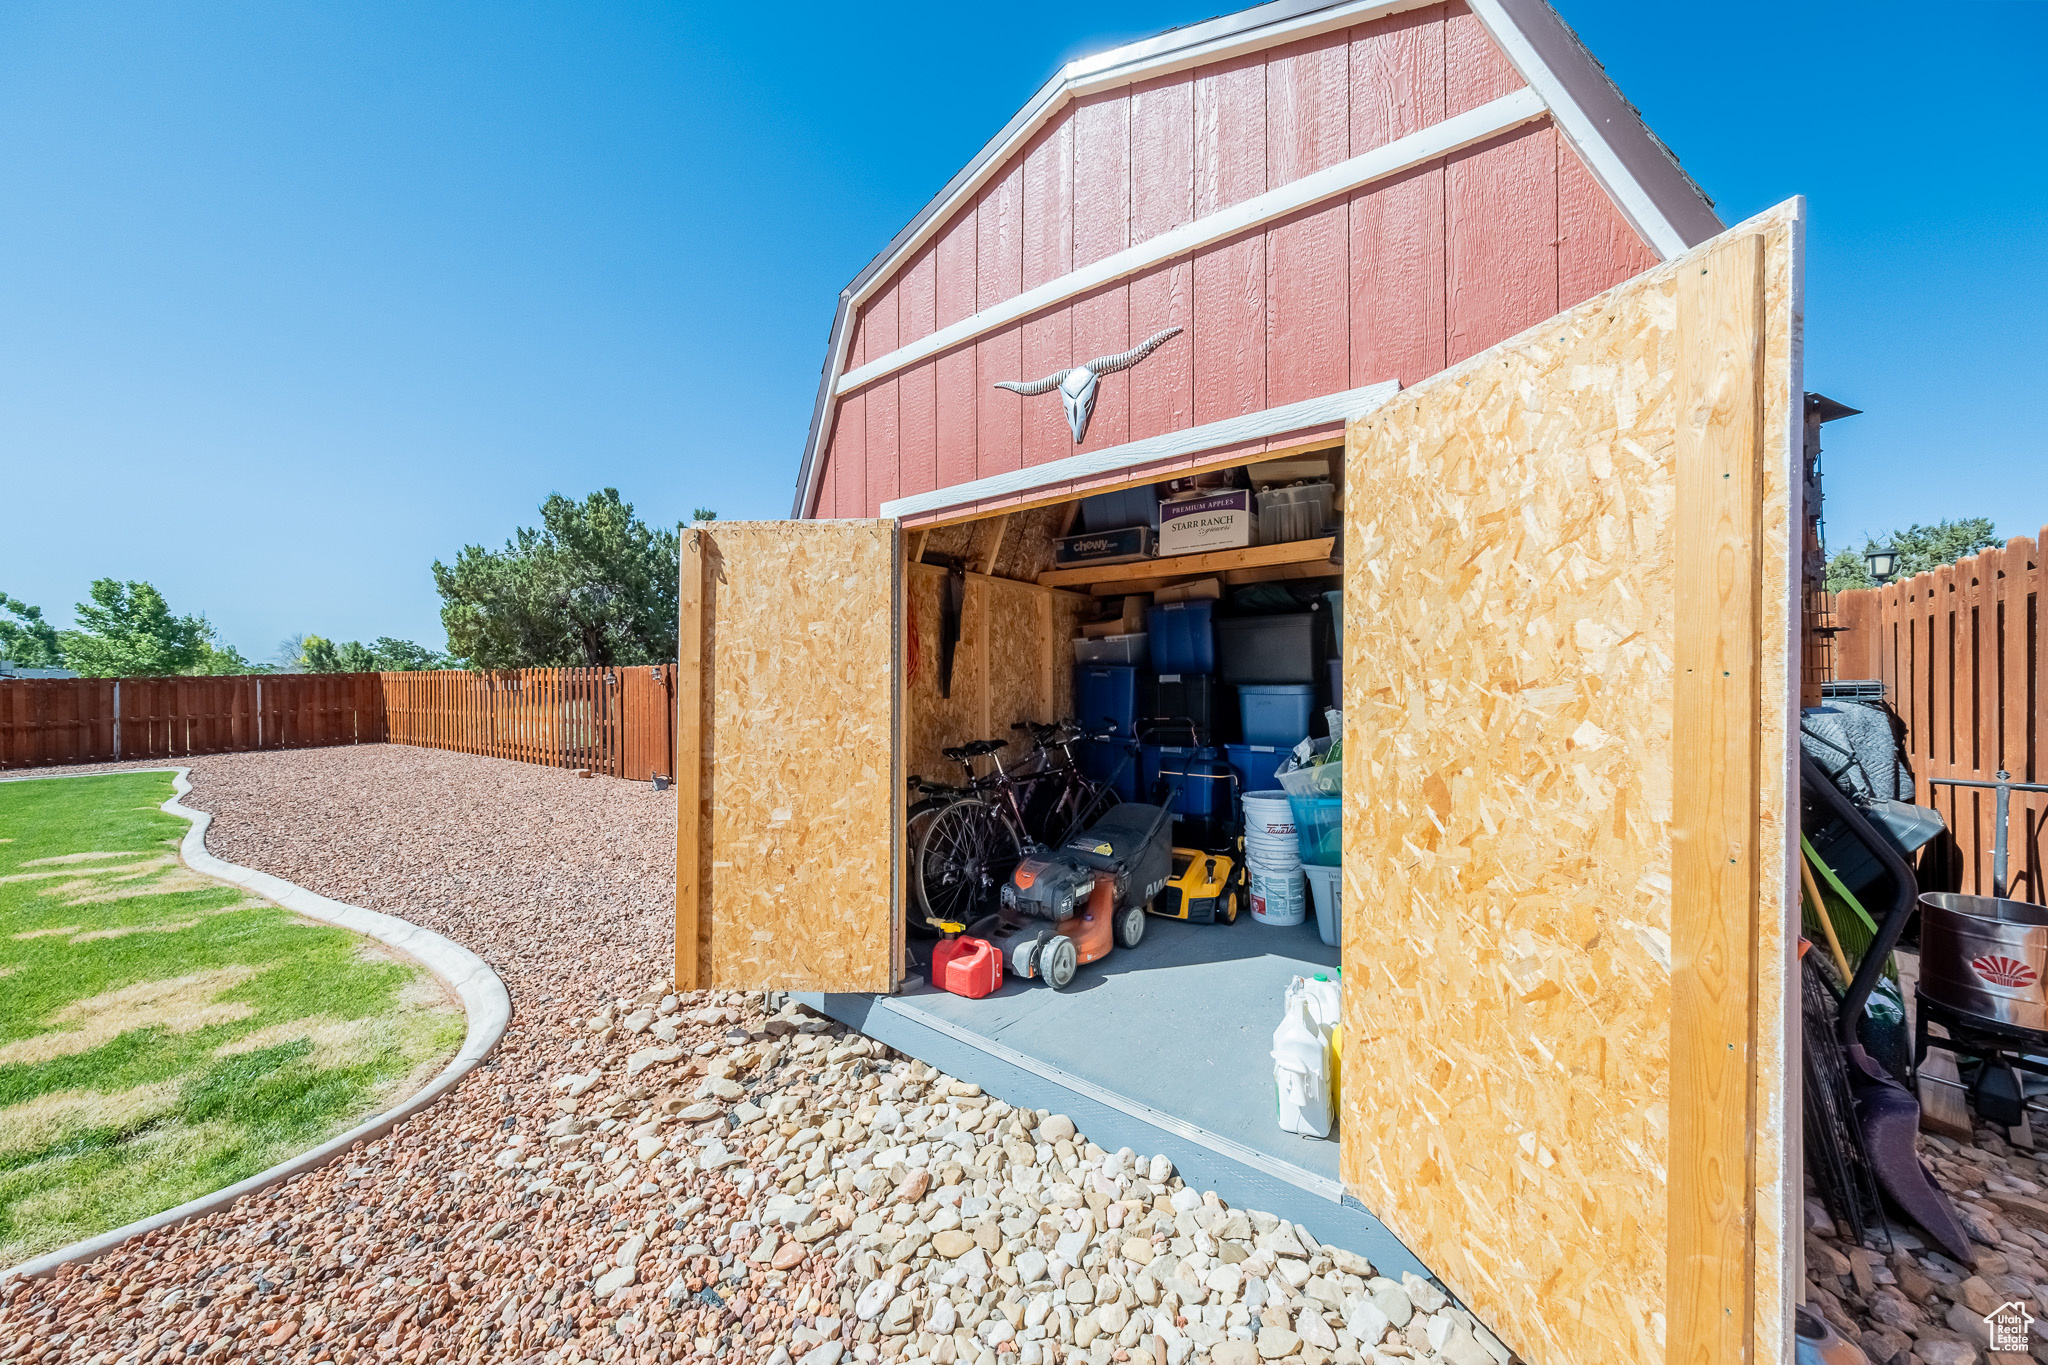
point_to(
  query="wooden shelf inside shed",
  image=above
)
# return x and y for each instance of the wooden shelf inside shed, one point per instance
(1294, 559)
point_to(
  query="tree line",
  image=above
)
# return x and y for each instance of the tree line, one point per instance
(592, 586)
(1919, 548)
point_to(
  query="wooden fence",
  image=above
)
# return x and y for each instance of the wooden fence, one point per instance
(1961, 654)
(615, 721)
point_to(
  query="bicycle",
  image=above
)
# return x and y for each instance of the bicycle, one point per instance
(967, 840)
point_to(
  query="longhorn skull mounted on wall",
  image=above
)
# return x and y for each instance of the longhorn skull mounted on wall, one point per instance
(1078, 386)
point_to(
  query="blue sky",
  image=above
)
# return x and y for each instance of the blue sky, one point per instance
(296, 299)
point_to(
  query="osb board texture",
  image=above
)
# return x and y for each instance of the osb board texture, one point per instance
(1393, 280)
(799, 736)
(1018, 638)
(1016, 642)
(955, 540)
(1509, 638)
(1029, 542)
(931, 722)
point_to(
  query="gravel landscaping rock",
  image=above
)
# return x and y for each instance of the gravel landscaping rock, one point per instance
(1910, 1303)
(755, 1187)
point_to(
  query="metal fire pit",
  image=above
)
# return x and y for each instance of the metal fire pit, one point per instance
(1986, 959)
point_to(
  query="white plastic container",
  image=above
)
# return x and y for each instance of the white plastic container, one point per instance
(1325, 1001)
(1273, 860)
(1277, 898)
(1113, 649)
(1269, 830)
(1326, 888)
(1301, 1073)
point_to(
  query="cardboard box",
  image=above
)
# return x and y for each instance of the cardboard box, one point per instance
(1212, 521)
(1210, 589)
(1106, 547)
(1130, 622)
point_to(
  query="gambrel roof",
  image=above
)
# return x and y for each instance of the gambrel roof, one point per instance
(1563, 83)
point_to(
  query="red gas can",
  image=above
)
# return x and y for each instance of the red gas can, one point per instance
(967, 966)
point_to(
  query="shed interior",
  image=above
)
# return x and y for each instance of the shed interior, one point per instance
(1157, 718)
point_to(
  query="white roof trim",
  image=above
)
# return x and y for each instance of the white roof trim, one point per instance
(1441, 139)
(1250, 426)
(1633, 200)
(1143, 60)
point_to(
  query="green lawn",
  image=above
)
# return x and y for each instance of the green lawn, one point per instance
(162, 1034)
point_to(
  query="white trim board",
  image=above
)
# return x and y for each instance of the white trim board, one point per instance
(1250, 426)
(1440, 139)
(1629, 196)
(1148, 59)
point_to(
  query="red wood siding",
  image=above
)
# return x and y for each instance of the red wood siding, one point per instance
(1394, 281)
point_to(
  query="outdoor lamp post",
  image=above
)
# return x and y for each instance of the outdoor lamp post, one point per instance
(1882, 560)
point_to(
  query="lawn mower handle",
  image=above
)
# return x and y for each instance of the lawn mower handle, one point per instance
(1907, 894)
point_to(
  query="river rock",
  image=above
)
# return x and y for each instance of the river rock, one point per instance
(1276, 1343)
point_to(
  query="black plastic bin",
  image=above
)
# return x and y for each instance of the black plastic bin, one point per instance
(1281, 648)
(1186, 702)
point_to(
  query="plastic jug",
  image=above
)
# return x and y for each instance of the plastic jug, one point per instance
(967, 966)
(1325, 1003)
(1301, 1073)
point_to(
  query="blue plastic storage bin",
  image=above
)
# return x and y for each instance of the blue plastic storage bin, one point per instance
(1106, 694)
(1276, 713)
(1112, 763)
(1125, 507)
(1255, 764)
(1199, 778)
(1183, 637)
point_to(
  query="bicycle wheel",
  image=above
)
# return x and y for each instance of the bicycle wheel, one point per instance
(968, 851)
(915, 820)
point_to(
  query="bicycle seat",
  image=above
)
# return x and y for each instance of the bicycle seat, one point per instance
(974, 749)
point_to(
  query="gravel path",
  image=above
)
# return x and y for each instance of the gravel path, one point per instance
(637, 1176)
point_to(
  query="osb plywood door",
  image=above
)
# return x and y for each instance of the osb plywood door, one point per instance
(1542, 557)
(797, 780)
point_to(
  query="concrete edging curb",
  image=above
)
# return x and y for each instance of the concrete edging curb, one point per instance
(483, 996)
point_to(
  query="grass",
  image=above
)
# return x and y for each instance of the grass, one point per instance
(163, 1035)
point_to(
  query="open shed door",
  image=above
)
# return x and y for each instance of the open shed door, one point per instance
(788, 790)
(1569, 686)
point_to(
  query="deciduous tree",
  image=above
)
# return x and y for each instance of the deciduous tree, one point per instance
(28, 639)
(593, 586)
(127, 631)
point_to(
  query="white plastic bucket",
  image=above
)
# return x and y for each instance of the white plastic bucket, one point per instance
(1268, 819)
(1277, 897)
(1326, 885)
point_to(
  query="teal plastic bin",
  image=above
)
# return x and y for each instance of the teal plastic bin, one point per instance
(1319, 828)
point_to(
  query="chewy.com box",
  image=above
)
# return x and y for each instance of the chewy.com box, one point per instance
(1208, 521)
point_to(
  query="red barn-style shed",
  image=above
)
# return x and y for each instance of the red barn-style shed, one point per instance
(1322, 197)
(1428, 254)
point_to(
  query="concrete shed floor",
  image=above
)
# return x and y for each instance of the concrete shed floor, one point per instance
(1164, 1048)
(1183, 1023)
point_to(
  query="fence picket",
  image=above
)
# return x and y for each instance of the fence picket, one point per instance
(617, 721)
(1961, 654)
